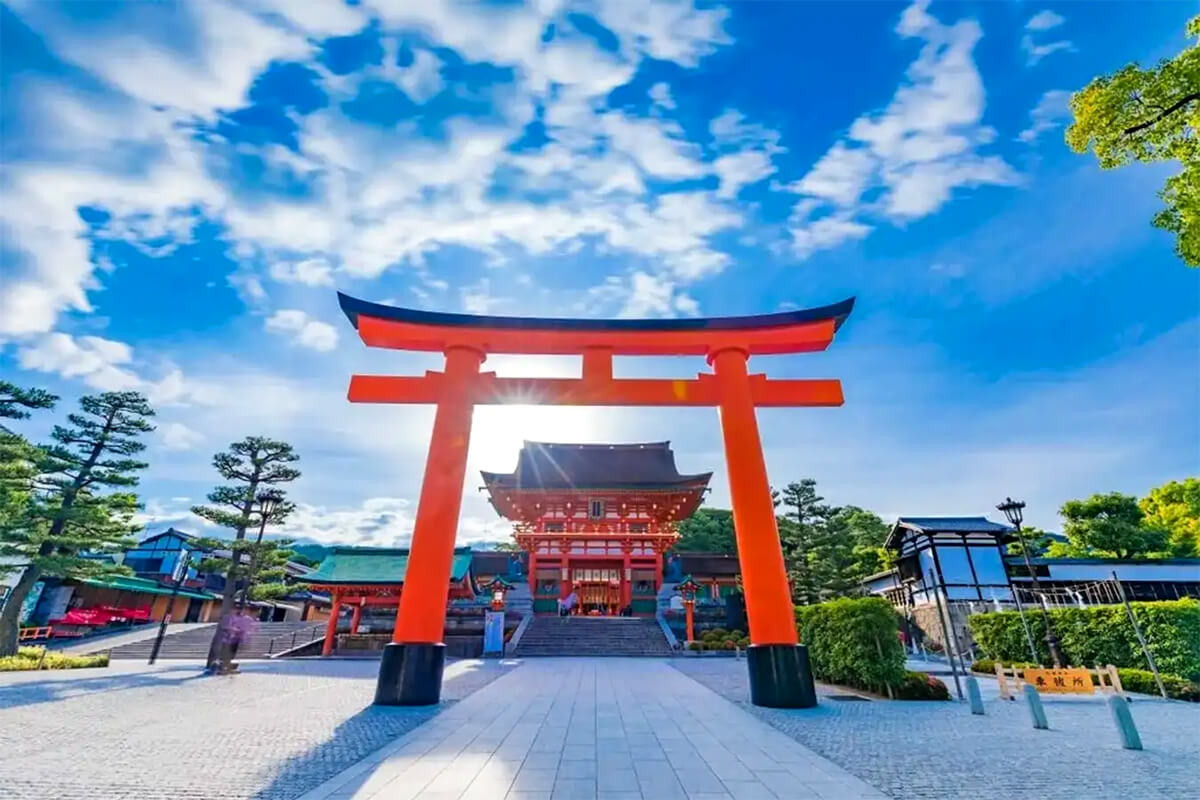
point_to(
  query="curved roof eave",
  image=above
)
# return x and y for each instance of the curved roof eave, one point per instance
(353, 307)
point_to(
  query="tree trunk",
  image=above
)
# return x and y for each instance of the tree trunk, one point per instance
(10, 617)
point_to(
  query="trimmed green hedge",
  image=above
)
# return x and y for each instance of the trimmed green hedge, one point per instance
(1100, 635)
(29, 658)
(854, 642)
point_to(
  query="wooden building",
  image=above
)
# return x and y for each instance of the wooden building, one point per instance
(595, 519)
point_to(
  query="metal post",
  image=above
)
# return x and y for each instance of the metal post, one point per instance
(1033, 656)
(181, 572)
(1125, 727)
(975, 697)
(937, 595)
(1036, 712)
(1137, 629)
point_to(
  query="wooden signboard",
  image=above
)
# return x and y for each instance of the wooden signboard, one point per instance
(1069, 681)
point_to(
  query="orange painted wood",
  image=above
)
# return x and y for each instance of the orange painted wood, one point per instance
(797, 338)
(764, 575)
(421, 615)
(596, 390)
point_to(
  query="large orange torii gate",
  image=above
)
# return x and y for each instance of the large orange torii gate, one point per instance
(411, 670)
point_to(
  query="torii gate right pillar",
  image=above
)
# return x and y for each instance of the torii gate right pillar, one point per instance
(780, 674)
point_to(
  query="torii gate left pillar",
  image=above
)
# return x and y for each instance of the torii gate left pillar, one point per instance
(411, 669)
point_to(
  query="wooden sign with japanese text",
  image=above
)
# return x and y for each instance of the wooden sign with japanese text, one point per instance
(1071, 681)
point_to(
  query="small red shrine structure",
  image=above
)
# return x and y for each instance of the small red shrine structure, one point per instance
(595, 520)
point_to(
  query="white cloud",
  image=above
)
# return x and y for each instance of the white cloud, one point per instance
(422, 79)
(98, 362)
(916, 151)
(1051, 111)
(177, 436)
(658, 147)
(660, 93)
(840, 176)
(642, 294)
(309, 271)
(1040, 23)
(305, 331)
(1044, 21)
(809, 236)
(746, 151)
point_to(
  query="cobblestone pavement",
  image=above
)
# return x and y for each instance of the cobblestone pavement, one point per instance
(143, 733)
(594, 729)
(939, 750)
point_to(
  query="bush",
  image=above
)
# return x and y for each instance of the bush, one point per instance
(714, 634)
(728, 644)
(28, 658)
(744, 642)
(845, 640)
(1100, 635)
(1142, 682)
(695, 646)
(919, 686)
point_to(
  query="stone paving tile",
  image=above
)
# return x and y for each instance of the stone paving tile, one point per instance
(959, 755)
(132, 732)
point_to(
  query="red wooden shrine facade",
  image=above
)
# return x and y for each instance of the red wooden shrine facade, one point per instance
(595, 519)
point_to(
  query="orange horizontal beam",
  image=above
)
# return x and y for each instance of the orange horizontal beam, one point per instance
(802, 337)
(489, 389)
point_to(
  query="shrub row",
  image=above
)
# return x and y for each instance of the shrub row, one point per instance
(854, 642)
(39, 658)
(1140, 681)
(720, 639)
(1100, 635)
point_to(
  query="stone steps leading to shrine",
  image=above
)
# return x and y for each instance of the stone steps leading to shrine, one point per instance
(268, 637)
(593, 636)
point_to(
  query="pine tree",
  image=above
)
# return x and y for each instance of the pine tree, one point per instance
(254, 467)
(69, 515)
(800, 531)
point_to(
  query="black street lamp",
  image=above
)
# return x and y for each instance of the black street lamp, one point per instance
(1012, 509)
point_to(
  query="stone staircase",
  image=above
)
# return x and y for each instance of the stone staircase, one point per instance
(593, 636)
(268, 638)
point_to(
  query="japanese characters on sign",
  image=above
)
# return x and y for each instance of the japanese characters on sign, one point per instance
(1070, 681)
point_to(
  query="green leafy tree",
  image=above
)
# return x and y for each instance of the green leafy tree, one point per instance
(81, 504)
(801, 531)
(1039, 543)
(1110, 525)
(709, 530)
(254, 467)
(17, 455)
(1150, 115)
(1175, 508)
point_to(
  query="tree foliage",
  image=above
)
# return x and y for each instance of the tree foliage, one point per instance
(255, 467)
(709, 530)
(1174, 507)
(80, 502)
(1150, 115)
(1110, 525)
(801, 531)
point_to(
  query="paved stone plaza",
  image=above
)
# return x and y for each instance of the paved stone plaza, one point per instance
(604, 728)
(939, 750)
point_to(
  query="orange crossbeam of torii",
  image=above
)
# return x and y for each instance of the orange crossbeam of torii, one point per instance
(410, 673)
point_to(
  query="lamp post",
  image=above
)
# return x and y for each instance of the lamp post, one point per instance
(268, 502)
(181, 568)
(1013, 511)
(687, 590)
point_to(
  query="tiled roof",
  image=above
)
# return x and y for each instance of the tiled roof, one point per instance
(126, 583)
(954, 524)
(545, 465)
(376, 565)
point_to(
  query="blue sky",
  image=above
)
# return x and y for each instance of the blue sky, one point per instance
(186, 186)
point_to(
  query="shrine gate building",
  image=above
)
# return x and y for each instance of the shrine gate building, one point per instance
(596, 519)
